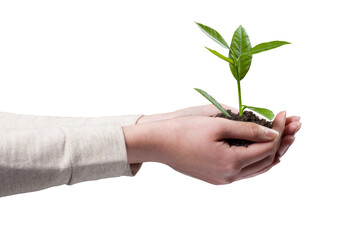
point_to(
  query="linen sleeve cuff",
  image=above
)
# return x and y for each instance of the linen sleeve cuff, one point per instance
(99, 151)
(131, 169)
(94, 152)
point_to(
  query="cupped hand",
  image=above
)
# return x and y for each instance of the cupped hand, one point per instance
(292, 124)
(196, 146)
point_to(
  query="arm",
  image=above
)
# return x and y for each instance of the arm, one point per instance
(195, 146)
(35, 159)
(23, 121)
(292, 125)
(38, 152)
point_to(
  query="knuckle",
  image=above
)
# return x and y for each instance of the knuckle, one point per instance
(227, 168)
(228, 165)
(228, 172)
(230, 169)
(237, 159)
(229, 180)
(241, 165)
(254, 130)
(217, 127)
(224, 180)
(217, 182)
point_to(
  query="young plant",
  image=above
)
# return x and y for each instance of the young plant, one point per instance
(239, 59)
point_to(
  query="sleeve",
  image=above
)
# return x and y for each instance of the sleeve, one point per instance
(22, 121)
(52, 151)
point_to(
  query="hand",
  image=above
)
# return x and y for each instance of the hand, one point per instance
(292, 123)
(205, 110)
(196, 146)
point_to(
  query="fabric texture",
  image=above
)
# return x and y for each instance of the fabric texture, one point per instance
(38, 152)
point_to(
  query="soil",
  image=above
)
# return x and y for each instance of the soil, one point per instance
(246, 117)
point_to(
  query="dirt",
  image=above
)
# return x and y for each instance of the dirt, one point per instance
(246, 117)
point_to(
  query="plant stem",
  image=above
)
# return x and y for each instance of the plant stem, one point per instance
(239, 94)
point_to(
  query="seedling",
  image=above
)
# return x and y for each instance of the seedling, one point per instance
(239, 59)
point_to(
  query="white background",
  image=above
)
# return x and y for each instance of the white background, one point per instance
(99, 58)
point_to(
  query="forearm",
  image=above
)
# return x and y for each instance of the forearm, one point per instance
(35, 159)
(67, 150)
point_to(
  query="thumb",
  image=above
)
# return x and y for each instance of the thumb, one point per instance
(279, 122)
(247, 131)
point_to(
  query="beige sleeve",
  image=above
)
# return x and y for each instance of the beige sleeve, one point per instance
(37, 152)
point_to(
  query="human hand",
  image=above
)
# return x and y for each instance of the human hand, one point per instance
(196, 146)
(204, 110)
(292, 124)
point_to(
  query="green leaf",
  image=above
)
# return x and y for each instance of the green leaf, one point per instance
(265, 47)
(213, 101)
(262, 111)
(234, 71)
(214, 35)
(240, 44)
(229, 60)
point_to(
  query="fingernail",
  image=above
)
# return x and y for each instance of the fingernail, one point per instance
(271, 133)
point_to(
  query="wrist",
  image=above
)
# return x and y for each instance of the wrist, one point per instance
(131, 141)
(137, 141)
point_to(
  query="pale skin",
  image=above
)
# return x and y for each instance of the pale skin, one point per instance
(191, 142)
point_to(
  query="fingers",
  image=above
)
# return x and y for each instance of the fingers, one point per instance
(292, 128)
(251, 165)
(253, 153)
(279, 122)
(292, 119)
(246, 131)
(264, 170)
(285, 144)
(254, 132)
(261, 157)
(256, 167)
(203, 110)
(262, 166)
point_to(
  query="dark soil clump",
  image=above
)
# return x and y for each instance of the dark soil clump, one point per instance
(246, 117)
